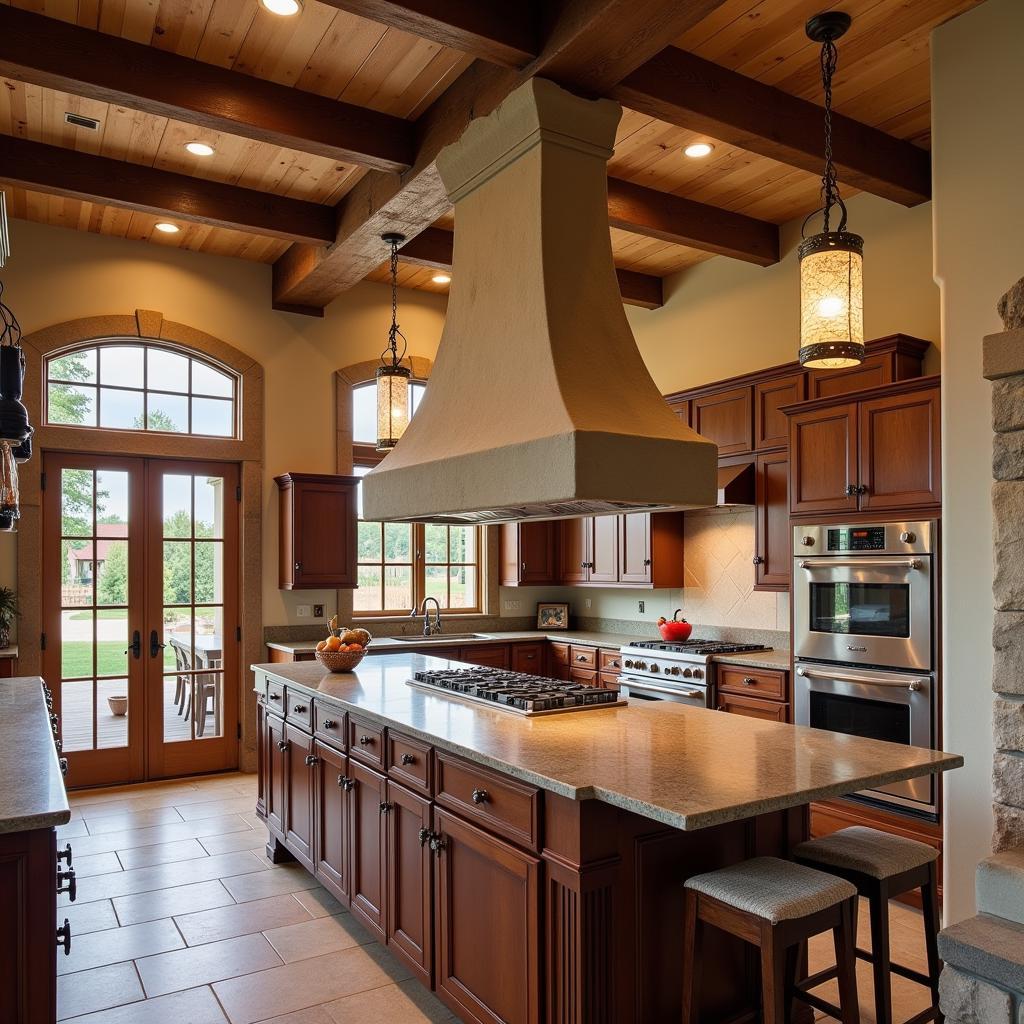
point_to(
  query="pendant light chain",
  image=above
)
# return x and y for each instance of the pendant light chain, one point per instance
(394, 332)
(392, 377)
(829, 184)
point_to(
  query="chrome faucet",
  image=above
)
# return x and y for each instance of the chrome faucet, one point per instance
(429, 628)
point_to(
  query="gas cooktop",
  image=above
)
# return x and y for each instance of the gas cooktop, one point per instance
(702, 648)
(517, 692)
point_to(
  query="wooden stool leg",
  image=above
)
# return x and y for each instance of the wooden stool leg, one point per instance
(845, 936)
(773, 977)
(878, 903)
(930, 913)
(691, 958)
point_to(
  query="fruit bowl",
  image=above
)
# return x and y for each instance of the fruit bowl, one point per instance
(675, 630)
(340, 661)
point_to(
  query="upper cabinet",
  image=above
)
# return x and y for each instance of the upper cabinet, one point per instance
(878, 453)
(589, 549)
(529, 554)
(317, 531)
(726, 417)
(888, 360)
(771, 429)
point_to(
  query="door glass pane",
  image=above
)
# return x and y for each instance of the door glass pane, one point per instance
(177, 572)
(112, 503)
(177, 513)
(76, 502)
(209, 571)
(76, 715)
(207, 704)
(112, 712)
(111, 572)
(177, 639)
(111, 641)
(76, 644)
(209, 510)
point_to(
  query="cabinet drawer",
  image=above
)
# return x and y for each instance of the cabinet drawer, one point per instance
(560, 653)
(583, 657)
(610, 661)
(501, 805)
(750, 707)
(528, 658)
(329, 724)
(752, 682)
(366, 741)
(409, 762)
(609, 680)
(275, 696)
(586, 676)
(298, 709)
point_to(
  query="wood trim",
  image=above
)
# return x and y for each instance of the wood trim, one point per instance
(703, 97)
(57, 171)
(50, 53)
(902, 387)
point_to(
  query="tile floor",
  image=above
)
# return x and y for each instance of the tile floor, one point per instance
(181, 919)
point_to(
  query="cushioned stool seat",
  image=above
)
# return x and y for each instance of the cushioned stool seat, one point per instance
(773, 889)
(867, 851)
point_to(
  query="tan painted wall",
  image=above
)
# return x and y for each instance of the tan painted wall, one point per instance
(724, 317)
(56, 274)
(977, 166)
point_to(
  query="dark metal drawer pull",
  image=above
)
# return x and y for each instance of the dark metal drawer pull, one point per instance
(330, 723)
(346, 783)
(65, 855)
(385, 807)
(437, 843)
(63, 762)
(481, 796)
(312, 759)
(300, 709)
(424, 835)
(64, 937)
(748, 681)
(365, 740)
(275, 696)
(282, 745)
(581, 657)
(408, 759)
(72, 885)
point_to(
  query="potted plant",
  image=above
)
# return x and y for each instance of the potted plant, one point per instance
(8, 613)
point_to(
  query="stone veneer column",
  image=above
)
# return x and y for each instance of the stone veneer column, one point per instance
(1004, 366)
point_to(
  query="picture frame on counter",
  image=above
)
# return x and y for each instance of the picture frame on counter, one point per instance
(552, 615)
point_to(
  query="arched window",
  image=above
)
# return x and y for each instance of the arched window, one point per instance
(122, 384)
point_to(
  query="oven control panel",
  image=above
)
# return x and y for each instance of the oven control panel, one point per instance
(856, 538)
(831, 539)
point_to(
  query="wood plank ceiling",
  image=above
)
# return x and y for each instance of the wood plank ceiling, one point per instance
(883, 82)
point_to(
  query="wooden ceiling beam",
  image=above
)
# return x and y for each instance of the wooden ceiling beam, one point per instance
(55, 55)
(498, 32)
(433, 248)
(622, 34)
(694, 93)
(99, 179)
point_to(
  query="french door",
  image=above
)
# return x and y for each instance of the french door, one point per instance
(140, 614)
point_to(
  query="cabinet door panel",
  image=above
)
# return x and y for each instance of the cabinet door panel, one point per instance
(873, 372)
(528, 658)
(823, 459)
(604, 549)
(771, 428)
(491, 655)
(409, 921)
(528, 554)
(331, 828)
(574, 550)
(488, 926)
(317, 523)
(770, 711)
(299, 801)
(277, 774)
(773, 558)
(367, 871)
(727, 419)
(900, 462)
(635, 548)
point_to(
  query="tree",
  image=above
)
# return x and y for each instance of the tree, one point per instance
(178, 561)
(157, 420)
(67, 403)
(76, 508)
(112, 585)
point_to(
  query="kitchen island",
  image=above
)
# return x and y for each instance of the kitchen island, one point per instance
(531, 869)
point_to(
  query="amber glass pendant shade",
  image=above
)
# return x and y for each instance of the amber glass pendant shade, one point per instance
(832, 300)
(392, 405)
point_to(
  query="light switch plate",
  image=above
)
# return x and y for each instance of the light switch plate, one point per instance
(303, 611)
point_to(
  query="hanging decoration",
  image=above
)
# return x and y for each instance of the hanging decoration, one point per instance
(831, 262)
(15, 430)
(392, 376)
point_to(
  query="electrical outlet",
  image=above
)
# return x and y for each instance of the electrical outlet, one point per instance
(641, 607)
(303, 611)
(586, 603)
(318, 611)
(513, 606)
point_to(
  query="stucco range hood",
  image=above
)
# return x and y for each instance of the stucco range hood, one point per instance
(539, 405)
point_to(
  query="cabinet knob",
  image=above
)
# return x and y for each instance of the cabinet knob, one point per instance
(346, 783)
(523, 567)
(329, 723)
(63, 762)
(312, 760)
(758, 560)
(385, 807)
(424, 835)
(408, 759)
(581, 657)
(300, 709)
(282, 745)
(274, 696)
(298, 567)
(721, 707)
(748, 681)
(365, 741)
(65, 855)
(862, 488)
(437, 843)
(64, 937)
(647, 563)
(71, 888)
(583, 565)
(480, 796)
(851, 490)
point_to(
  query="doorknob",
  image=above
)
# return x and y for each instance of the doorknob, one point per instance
(155, 647)
(136, 647)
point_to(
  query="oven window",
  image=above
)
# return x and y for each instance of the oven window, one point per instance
(858, 716)
(861, 609)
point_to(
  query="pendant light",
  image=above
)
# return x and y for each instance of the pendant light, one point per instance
(392, 377)
(831, 262)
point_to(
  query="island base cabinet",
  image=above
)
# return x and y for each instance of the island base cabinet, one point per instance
(275, 766)
(299, 788)
(330, 804)
(367, 871)
(409, 904)
(487, 918)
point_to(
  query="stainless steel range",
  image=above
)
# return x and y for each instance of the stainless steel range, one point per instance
(682, 673)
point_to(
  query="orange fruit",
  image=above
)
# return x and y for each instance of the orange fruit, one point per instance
(320, 646)
(332, 643)
(355, 647)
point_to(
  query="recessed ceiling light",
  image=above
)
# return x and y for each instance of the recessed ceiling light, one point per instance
(441, 278)
(199, 148)
(285, 8)
(698, 149)
(167, 228)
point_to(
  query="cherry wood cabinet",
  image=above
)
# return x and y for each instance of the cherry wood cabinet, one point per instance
(574, 550)
(888, 360)
(330, 826)
(529, 658)
(823, 459)
(490, 655)
(771, 428)
(753, 692)
(651, 551)
(726, 417)
(316, 531)
(529, 554)
(772, 558)
(488, 926)
(367, 869)
(274, 789)
(589, 550)
(770, 711)
(298, 804)
(407, 858)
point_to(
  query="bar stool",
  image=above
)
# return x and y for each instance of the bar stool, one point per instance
(775, 905)
(883, 866)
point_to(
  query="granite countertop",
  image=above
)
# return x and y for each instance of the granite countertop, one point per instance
(689, 768)
(390, 643)
(33, 794)
(756, 659)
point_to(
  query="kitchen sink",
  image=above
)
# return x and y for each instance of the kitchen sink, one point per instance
(438, 638)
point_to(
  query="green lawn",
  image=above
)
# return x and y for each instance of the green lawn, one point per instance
(101, 613)
(76, 658)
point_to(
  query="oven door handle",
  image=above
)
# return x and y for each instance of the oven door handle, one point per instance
(650, 688)
(861, 563)
(914, 685)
